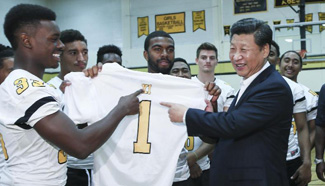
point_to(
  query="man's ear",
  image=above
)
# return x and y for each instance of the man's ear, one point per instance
(196, 60)
(25, 39)
(145, 55)
(266, 50)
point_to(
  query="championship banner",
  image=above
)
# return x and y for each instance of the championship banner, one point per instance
(309, 18)
(226, 29)
(277, 23)
(321, 17)
(198, 20)
(143, 26)
(248, 6)
(171, 23)
(290, 21)
(282, 3)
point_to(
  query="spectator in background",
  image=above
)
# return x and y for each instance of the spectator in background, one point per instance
(109, 54)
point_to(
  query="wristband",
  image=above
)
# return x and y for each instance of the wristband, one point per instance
(318, 161)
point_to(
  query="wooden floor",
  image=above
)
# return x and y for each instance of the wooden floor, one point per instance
(314, 180)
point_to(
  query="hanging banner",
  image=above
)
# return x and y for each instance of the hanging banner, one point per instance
(198, 20)
(171, 23)
(290, 21)
(321, 17)
(247, 6)
(309, 18)
(143, 26)
(283, 3)
(277, 23)
(226, 29)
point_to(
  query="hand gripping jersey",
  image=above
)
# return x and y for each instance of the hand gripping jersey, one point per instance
(73, 162)
(145, 147)
(299, 101)
(30, 160)
(226, 97)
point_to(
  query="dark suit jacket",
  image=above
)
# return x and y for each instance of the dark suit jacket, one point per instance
(253, 134)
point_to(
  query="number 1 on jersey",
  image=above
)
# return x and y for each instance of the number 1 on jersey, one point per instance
(142, 145)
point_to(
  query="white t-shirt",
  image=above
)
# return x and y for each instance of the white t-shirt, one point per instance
(30, 160)
(299, 106)
(73, 162)
(144, 148)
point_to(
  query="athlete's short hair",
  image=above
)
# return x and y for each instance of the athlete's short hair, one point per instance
(153, 35)
(277, 48)
(261, 31)
(206, 46)
(71, 35)
(8, 52)
(179, 59)
(23, 15)
(300, 58)
(108, 49)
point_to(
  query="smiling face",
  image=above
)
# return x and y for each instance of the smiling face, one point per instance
(46, 44)
(160, 55)
(207, 61)
(246, 56)
(290, 65)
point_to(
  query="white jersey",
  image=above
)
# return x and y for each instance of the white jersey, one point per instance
(73, 162)
(312, 102)
(182, 170)
(144, 148)
(299, 101)
(225, 99)
(30, 160)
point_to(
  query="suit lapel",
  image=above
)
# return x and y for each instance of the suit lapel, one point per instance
(260, 78)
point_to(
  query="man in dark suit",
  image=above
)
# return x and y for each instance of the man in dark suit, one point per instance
(253, 134)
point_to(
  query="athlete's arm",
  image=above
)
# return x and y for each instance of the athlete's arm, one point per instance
(303, 173)
(319, 147)
(312, 132)
(60, 130)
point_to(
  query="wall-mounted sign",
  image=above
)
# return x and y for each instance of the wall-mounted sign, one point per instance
(321, 17)
(282, 3)
(198, 20)
(171, 23)
(247, 6)
(143, 26)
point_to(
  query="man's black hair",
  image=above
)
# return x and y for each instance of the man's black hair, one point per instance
(70, 35)
(108, 49)
(23, 15)
(8, 52)
(153, 35)
(277, 48)
(178, 59)
(261, 31)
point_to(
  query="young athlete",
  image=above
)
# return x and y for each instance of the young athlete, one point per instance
(36, 134)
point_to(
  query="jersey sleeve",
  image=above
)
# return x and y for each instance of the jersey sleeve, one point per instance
(28, 100)
(312, 103)
(229, 96)
(299, 99)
